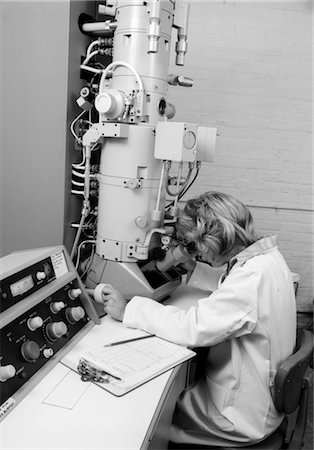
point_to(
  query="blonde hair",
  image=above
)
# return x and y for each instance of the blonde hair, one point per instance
(215, 222)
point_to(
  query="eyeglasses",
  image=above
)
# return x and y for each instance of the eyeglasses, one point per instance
(191, 248)
(194, 252)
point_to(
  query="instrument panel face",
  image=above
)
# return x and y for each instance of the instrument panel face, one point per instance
(21, 284)
(30, 340)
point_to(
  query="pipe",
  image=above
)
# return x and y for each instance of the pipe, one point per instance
(90, 56)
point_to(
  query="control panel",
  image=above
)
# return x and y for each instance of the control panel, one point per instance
(45, 311)
(19, 285)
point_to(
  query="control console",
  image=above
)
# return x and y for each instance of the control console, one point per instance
(45, 310)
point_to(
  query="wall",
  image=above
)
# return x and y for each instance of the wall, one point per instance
(251, 65)
(34, 89)
(40, 55)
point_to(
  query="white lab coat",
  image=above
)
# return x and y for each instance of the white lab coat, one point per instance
(249, 321)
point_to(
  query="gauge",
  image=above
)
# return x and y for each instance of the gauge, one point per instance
(189, 139)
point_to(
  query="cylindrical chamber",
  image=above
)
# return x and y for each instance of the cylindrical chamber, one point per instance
(129, 173)
(131, 46)
(128, 186)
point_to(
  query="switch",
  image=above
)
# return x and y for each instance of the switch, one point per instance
(7, 372)
(48, 353)
(40, 276)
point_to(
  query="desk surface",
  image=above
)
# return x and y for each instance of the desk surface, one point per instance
(62, 412)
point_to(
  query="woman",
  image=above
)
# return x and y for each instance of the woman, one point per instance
(248, 321)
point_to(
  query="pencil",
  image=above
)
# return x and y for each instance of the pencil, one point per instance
(128, 340)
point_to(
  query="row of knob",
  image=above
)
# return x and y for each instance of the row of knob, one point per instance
(30, 351)
(73, 293)
(54, 330)
(72, 314)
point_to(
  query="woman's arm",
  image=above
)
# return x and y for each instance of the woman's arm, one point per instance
(228, 312)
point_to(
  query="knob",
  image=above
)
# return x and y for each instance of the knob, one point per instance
(56, 330)
(34, 323)
(75, 314)
(56, 307)
(7, 372)
(40, 276)
(30, 351)
(74, 293)
(48, 352)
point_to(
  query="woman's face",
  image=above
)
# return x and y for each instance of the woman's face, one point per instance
(206, 256)
(214, 261)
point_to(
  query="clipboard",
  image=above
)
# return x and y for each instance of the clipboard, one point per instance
(120, 369)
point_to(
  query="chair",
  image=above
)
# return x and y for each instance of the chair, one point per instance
(291, 394)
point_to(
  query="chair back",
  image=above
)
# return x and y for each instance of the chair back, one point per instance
(289, 378)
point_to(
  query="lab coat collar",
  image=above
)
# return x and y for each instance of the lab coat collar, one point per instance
(259, 247)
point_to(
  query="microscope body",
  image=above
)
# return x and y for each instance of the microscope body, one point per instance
(138, 145)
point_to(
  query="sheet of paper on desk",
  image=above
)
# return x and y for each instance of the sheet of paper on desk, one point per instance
(135, 362)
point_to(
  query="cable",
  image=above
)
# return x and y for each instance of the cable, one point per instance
(179, 191)
(86, 205)
(113, 66)
(79, 251)
(187, 187)
(88, 265)
(72, 126)
(90, 56)
(91, 46)
(76, 183)
(81, 164)
(90, 69)
(82, 175)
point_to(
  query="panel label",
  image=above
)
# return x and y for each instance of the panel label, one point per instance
(6, 406)
(59, 263)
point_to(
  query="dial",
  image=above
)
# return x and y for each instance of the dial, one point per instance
(56, 307)
(55, 330)
(75, 314)
(74, 293)
(7, 372)
(34, 322)
(30, 351)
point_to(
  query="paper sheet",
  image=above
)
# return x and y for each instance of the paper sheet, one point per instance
(134, 363)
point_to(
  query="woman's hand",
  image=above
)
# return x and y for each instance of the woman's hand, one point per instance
(114, 302)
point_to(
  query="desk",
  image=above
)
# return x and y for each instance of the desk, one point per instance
(94, 418)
